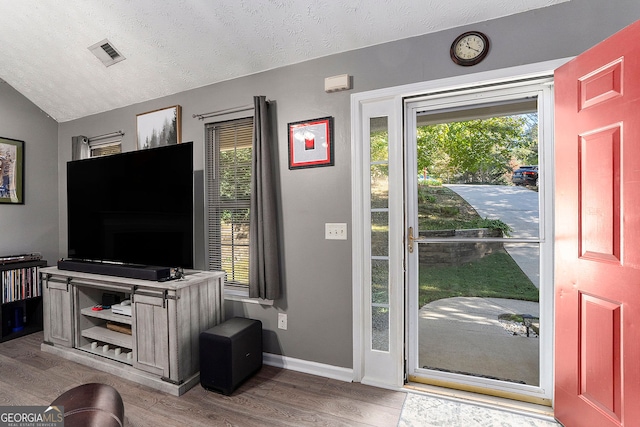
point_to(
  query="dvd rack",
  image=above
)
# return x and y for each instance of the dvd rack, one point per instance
(20, 283)
(21, 296)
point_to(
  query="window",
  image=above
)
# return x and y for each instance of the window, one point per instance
(97, 150)
(229, 146)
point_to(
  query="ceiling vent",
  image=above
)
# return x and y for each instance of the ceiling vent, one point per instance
(106, 53)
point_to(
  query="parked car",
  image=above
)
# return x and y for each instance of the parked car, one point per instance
(525, 175)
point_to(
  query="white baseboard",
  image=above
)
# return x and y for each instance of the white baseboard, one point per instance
(308, 367)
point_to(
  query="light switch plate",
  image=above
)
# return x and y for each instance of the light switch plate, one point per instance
(335, 231)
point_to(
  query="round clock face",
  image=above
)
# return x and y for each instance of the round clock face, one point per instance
(469, 48)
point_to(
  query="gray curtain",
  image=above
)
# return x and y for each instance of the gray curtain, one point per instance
(79, 147)
(264, 259)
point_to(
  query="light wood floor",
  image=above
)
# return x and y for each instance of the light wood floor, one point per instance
(273, 397)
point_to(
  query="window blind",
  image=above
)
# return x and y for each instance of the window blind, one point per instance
(229, 146)
(105, 149)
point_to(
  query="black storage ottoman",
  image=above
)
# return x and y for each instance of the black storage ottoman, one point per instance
(230, 353)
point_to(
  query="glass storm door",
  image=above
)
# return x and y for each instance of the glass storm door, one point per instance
(476, 171)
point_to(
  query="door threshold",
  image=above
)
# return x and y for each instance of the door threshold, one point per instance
(533, 406)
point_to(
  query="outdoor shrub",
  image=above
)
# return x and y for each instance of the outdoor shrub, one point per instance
(449, 210)
(424, 196)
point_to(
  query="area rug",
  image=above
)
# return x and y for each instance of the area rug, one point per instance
(428, 411)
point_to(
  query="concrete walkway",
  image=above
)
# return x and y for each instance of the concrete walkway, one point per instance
(464, 335)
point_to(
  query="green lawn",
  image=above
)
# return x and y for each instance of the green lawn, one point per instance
(496, 275)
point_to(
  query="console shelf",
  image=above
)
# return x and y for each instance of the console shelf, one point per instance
(166, 321)
(106, 315)
(102, 334)
(111, 354)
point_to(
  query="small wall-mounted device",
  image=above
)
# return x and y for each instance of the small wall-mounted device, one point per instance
(336, 83)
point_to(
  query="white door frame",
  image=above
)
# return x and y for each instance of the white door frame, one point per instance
(370, 366)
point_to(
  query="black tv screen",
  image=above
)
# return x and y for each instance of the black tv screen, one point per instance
(134, 207)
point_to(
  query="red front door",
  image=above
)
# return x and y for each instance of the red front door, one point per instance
(597, 234)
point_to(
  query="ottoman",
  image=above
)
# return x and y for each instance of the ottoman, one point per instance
(91, 405)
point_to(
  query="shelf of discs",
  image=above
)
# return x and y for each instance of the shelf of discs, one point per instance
(21, 296)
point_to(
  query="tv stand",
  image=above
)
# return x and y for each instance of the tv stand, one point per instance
(156, 346)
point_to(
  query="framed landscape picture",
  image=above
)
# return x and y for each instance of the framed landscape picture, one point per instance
(159, 127)
(11, 171)
(311, 143)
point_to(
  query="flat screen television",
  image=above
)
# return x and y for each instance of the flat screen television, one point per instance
(134, 207)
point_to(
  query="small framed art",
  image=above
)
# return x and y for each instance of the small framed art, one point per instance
(159, 127)
(11, 171)
(311, 143)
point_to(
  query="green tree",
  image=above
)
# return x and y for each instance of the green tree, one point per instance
(527, 152)
(235, 183)
(479, 150)
(379, 141)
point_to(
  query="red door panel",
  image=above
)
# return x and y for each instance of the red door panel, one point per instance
(599, 194)
(597, 237)
(600, 382)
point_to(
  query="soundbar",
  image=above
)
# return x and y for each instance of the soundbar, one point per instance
(131, 271)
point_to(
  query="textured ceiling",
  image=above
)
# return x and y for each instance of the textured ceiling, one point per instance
(175, 45)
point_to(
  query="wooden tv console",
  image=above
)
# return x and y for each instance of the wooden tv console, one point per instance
(156, 346)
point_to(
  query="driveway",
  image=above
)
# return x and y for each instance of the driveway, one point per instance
(516, 207)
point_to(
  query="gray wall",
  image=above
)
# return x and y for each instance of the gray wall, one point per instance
(317, 273)
(31, 227)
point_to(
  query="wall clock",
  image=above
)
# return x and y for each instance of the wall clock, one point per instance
(469, 48)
